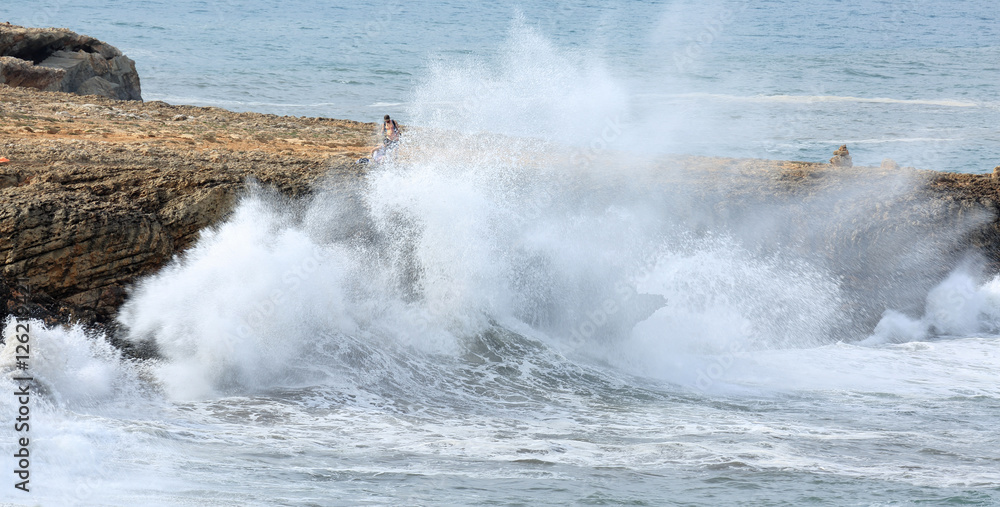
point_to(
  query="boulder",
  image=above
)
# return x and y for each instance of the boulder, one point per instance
(889, 164)
(841, 157)
(57, 59)
(17, 72)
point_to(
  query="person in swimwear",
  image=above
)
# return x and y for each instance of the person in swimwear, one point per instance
(390, 138)
(390, 130)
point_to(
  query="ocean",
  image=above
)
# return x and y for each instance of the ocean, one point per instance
(485, 321)
(915, 81)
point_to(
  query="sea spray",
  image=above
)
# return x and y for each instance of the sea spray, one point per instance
(75, 460)
(721, 302)
(478, 226)
(529, 87)
(72, 367)
(236, 309)
(477, 268)
(412, 341)
(960, 305)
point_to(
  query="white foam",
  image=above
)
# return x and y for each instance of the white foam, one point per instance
(958, 306)
(71, 367)
(721, 302)
(238, 307)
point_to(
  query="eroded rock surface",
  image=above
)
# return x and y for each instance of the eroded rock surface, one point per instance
(98, 192)
(57, 59)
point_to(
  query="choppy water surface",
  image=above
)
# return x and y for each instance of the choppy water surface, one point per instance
(499, 320)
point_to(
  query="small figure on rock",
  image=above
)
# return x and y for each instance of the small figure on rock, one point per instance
(390, 138)
(841, 157)
(390, 131)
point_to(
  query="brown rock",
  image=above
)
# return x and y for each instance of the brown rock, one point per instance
(17, 72)
(83, 216)
(889, 164)
(56, 59)
(841, 157)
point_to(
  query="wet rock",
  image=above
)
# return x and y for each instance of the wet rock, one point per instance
(889, 164)
(841, 157)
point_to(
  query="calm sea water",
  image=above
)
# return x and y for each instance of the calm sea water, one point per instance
(513, 329)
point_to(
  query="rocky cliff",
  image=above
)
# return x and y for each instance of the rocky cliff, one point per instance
(99, 192)
(56, 59)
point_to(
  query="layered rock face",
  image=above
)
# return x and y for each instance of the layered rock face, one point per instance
(100, 192)
(56, 59)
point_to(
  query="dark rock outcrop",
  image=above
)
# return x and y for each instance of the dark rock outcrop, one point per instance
(56, 59)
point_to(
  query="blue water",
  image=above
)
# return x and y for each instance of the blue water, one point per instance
(537, 318)
(776, 79)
